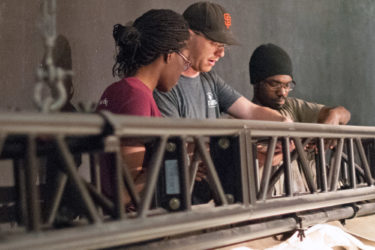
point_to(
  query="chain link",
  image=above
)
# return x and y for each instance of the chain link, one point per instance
(49, 76)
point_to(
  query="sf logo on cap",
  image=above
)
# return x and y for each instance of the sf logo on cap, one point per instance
(227, 20)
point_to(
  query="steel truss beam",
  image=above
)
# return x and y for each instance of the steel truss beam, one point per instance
(238, 198)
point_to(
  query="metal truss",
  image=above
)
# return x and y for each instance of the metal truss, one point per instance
(244, 206)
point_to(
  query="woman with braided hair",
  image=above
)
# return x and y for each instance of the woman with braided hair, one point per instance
(151, 53)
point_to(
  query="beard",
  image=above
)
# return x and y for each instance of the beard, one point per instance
(273, 103)
(277, 104)
(264, 98)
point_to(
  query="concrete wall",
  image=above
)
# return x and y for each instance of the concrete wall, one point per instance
(332, 45)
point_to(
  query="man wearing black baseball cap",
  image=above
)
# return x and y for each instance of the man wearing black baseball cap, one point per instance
(200, 92)
(271, 76)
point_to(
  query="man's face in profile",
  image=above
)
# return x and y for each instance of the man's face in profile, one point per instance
(204, 53)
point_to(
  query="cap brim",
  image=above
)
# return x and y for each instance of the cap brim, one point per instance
(222, 37)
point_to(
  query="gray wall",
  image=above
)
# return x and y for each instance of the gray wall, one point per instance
(332, 45)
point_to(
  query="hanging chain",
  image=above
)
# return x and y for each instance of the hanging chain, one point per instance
(50, 76)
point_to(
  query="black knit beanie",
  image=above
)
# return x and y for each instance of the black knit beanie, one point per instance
(269, 60)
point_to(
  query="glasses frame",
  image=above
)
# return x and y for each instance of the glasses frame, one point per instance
(292, 85)
(187, 62)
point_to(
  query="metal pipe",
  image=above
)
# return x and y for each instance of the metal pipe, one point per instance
(323, 168)
(243, 147)
(336, 166)
(252, 173)
(305, 166)
(20, 186)
(186, 182)
(286, 166)
(119, 168)
(32, 195)
(277, 174)
(77, 124)
(194, 168)
(129, 183)
(104, 202)
(212, 172)
(95, 171)
(71, 171)
(53, 204)
(51, 124)
(120, 234)
(175, 127)
(267, 170)
(358, 168)
(366, 167)
(153, 173)
(352, 175)
(225, 237)
(332, 214)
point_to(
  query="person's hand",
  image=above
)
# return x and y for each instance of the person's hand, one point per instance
(202, 172)
(328, 144)
(262, 150)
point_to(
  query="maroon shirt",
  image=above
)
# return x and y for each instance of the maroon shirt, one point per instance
(128, 96)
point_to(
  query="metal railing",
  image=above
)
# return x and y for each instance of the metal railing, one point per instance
(244, 205)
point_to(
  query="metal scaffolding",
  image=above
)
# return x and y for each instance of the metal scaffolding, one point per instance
(244, 205)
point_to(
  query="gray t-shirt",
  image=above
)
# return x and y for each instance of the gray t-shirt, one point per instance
(201, 97)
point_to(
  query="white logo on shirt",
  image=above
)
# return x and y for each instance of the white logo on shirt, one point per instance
(211, 102)
(104, 102)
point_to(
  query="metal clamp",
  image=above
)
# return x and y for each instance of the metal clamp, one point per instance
(300, 229)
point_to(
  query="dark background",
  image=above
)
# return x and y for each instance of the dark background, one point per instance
(332, 45)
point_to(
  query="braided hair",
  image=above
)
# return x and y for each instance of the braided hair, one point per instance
(155, 33)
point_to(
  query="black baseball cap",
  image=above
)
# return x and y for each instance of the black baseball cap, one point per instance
(212, 20)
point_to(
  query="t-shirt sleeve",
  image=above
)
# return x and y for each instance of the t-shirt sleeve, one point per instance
(225, 93)
(306, 111)
(167, 103)
(136, 104)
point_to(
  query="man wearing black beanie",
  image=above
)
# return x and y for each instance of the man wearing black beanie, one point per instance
(272, 78)
(271, 74)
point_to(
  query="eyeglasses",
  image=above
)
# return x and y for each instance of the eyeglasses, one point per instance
(187, 62)
(273, 85)
(219, 45)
